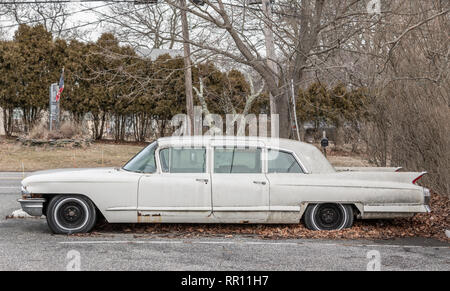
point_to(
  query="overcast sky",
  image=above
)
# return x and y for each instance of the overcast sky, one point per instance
(79, 15)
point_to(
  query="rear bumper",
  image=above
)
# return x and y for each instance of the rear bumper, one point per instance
(32, 206)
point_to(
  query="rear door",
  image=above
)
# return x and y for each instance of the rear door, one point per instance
(285, 173)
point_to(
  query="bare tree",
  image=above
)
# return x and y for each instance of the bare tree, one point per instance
(406, 69)
(52, 15)
(147, 26)
(305, 33)
(229, 107)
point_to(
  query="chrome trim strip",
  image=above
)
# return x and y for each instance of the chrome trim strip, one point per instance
(396, 208)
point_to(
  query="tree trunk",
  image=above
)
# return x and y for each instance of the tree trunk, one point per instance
(30, 117)
(8, 121)
(99, 124)
(122, 128)
(187, 65)
(339, 135)
(117, 125)
(102, 127)
(282, 109)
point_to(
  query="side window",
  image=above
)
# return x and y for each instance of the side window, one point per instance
(237, 160)
(282, 162)
(183, 160)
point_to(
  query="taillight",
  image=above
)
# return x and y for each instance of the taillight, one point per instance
(426, 196)
(418, 178)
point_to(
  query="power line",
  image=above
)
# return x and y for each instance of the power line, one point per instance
(249, 7)
(92, 22)
(61, 1)
(59, 15)
(111, 2)
(103, 19)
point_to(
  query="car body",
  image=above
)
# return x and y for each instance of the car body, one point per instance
(226, 180)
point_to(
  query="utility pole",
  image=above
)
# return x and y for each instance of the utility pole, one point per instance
(186, 57)
(295, 109)
(270, 50)
(187, 67)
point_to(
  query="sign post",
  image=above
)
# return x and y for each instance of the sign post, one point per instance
(54, 107)
(324, 143)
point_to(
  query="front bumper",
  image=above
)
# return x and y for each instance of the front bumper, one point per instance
(32, 206)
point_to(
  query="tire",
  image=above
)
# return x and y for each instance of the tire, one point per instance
(69, 214)
(328, 216)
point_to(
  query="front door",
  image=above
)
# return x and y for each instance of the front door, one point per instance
(240, 189)
(180, 191)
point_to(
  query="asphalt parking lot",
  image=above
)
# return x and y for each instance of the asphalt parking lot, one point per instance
(27, 244)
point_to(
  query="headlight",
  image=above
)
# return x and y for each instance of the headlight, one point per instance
(426, 196)
(28, 195)
(25, 193)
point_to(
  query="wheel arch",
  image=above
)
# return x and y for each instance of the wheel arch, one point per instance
(357, 207)
(49, 196)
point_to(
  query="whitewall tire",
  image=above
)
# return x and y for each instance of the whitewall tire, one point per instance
(69, 214)
(328, 216)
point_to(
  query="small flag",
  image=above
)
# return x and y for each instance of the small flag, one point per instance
(61, 86)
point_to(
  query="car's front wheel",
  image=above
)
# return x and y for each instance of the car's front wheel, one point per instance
(328, 216)
(68, 214)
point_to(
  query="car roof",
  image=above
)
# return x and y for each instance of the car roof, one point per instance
(207, 140)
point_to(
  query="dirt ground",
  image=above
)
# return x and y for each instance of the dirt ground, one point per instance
(338, 160)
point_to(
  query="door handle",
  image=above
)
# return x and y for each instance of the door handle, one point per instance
(202, 180)
(259, 182)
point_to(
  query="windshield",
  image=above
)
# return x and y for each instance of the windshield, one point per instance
(144, 161)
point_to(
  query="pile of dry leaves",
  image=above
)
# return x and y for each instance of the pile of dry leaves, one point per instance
(428, 225)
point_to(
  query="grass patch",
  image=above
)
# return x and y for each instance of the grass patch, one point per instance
(16, 157)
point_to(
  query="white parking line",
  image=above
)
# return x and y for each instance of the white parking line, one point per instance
(97, 242)
(176, 242)
(244, 243)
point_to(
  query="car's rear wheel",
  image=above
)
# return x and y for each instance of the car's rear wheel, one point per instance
(328, 216)
(68, 214)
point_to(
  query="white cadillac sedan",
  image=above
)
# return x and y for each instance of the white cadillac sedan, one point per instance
(222, 180)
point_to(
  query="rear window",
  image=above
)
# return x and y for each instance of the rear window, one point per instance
(282, 162)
